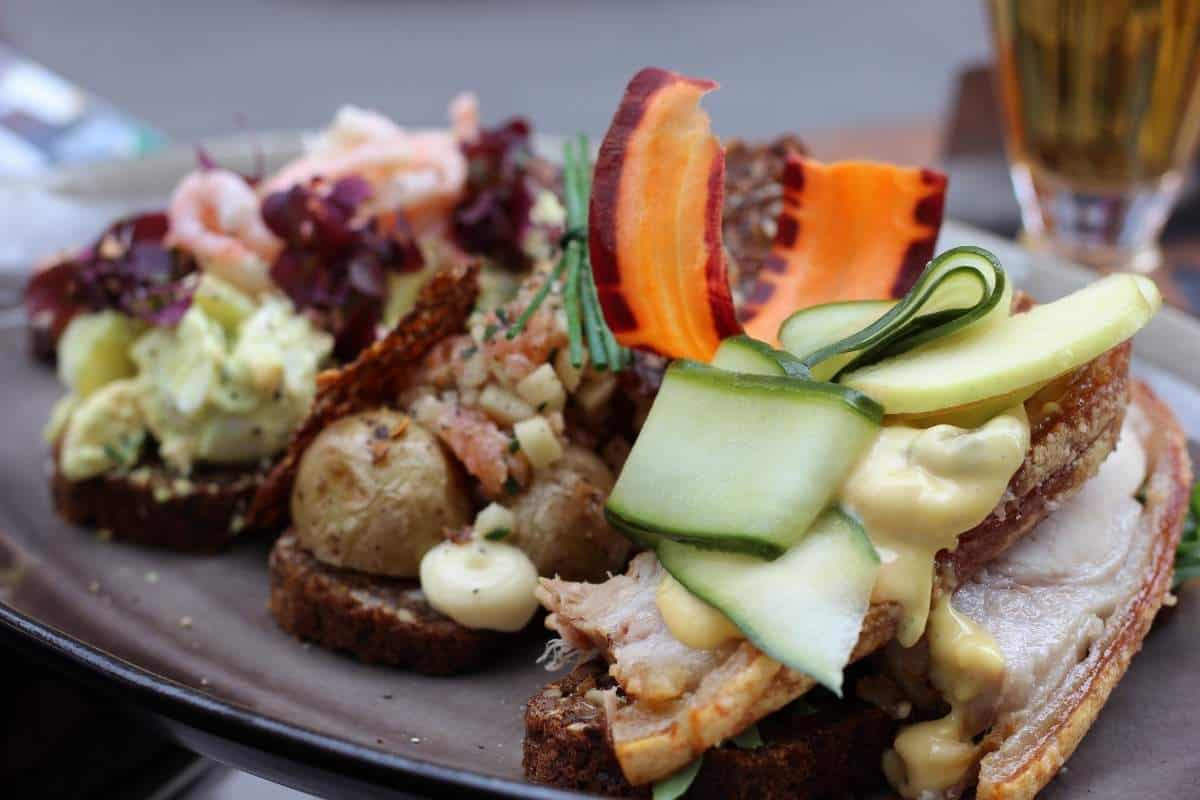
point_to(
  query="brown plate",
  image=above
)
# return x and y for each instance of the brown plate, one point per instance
(189, 639)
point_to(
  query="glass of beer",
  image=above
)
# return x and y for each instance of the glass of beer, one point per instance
(1102, 99)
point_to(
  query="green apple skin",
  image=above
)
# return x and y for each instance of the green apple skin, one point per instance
(1022, 351)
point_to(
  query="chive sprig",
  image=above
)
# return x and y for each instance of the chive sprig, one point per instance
(581, 300)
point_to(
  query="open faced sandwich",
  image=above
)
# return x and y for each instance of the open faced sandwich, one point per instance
(897, 522)
(189, 340)
(465, 455)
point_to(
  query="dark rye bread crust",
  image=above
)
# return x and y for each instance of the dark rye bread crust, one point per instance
(376, 619)
(822, 748)
(150, 505)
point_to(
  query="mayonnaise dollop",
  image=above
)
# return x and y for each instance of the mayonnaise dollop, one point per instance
(480, 584)
(690, 619)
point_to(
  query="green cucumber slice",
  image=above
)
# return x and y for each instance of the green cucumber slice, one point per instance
(675, 785)
(752, 356)
(804, 609)
(810, 329)
(960, 287)
(740, 462)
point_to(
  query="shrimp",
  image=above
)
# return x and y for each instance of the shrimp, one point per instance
(421, 172)
(464, 118)
(214, 214)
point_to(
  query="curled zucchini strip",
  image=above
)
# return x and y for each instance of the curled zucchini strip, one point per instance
(958, 288)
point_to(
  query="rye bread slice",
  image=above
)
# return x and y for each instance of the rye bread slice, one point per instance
(152, 505)
(374, 618)
(818, 748)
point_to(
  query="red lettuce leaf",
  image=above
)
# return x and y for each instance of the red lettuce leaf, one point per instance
(128, 269)
(503, 180)
(335, 264)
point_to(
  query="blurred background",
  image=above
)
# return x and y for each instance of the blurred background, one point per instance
(199, 69)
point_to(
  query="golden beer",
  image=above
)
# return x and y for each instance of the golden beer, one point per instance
(1102, 99)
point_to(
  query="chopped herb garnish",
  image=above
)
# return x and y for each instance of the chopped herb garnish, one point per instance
(593, 320)
(467, 352)
(514, 445)
(1187, 555)
(124, 452)
(675, 786)
(502, 316)
(490, 331)
(802, 707)
(496, 534)
(538, 298)
(749, 739)
(511, 485)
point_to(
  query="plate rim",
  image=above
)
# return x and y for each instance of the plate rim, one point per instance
(195, 709)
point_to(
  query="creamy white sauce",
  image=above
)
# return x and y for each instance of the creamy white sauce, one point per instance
(481, 584)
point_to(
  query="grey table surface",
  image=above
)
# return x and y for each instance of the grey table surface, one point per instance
(201, 69)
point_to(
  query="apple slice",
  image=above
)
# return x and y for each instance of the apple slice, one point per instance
(971, 415)
(850, 230)
(654, 224)
(1024, 350)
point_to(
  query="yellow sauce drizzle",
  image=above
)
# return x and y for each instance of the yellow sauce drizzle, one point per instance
(965, 664)
(917, 489)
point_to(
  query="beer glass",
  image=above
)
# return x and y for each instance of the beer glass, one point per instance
(1102, 105)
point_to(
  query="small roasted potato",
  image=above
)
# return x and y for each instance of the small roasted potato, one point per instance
(374, 492)
(559, 519)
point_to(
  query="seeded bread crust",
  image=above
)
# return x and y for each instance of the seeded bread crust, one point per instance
(376, 619)
(153, 506)
(818, 749)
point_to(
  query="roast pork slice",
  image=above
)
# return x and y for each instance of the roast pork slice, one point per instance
(1069, 604)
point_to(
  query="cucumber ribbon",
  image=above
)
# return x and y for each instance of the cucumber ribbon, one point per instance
(957, 288)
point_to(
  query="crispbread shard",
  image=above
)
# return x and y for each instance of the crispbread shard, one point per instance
(374, 379)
